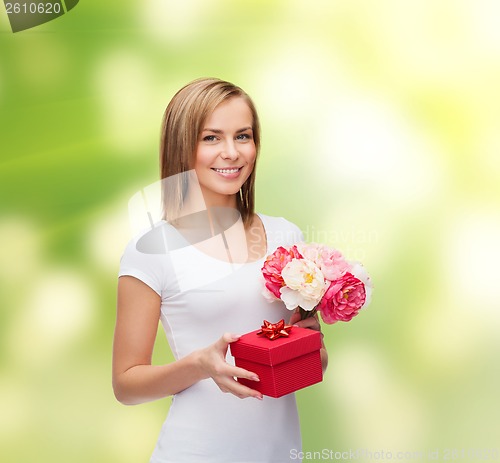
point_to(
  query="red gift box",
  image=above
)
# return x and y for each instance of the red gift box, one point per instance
(284, 365)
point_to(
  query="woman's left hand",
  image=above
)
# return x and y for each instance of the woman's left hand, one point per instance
(310, 322)
(313, 324)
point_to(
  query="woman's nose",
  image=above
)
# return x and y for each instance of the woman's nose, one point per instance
(230, 151)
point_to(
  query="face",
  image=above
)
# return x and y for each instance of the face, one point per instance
(225, 155)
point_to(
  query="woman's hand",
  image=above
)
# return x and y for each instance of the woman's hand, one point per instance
(213, 365)
(313, 324)
(136, 380)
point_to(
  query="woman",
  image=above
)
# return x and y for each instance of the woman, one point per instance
(202, 280)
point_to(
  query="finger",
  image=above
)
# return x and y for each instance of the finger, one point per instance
(231, 371)
(243, 392)
(223, 369)
(294, 318)
(230, 337)
(229, 385)
(225, 340)
(237, 372)
(311, 323)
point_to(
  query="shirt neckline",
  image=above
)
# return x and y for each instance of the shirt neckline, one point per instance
(236, 264)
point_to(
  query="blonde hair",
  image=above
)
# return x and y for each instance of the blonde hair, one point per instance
(183, 122)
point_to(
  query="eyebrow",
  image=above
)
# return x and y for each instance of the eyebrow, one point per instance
(244, 129)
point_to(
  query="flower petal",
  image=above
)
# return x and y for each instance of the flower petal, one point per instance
(290, 297)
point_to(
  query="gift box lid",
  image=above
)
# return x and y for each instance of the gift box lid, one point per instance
(260, 349)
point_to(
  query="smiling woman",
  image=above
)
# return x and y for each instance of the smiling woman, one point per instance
(205, 117)
(198, 272)
(225, 158)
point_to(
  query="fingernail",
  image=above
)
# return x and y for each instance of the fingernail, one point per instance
(236, 336)
(296, 326)
(255, 378)
(259, 397)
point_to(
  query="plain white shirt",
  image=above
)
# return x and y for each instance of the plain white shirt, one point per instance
(201, 298)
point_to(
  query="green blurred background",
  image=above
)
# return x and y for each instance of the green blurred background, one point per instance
(380, 137)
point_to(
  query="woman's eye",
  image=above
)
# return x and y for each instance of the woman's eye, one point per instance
(244, 136)
(210, 138)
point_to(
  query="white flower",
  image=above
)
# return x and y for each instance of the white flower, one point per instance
(305, 284)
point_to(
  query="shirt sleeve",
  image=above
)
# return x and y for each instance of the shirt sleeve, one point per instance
(148, 268)
(292, 233)
(296, 232)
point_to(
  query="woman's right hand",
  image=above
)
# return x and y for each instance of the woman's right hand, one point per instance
(136, 380)
(212, 360)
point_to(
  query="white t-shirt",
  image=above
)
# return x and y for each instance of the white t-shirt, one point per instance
(201, 298)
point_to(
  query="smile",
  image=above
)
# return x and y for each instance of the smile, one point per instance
(228, 171)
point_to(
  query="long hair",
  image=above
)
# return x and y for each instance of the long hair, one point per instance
(182, 124)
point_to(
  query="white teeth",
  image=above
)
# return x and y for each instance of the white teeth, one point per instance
(227, 171)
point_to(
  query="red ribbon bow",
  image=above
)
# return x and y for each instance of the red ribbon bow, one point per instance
(275, 330)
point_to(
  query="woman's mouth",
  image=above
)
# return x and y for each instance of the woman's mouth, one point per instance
(231, 173)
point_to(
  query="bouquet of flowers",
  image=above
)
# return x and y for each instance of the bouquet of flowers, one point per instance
(314, 278)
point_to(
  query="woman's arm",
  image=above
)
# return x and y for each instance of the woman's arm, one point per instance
(135, 380)
(313, 324)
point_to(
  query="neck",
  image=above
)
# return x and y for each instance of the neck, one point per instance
(198, 200)
(214, 200)
(207, 214)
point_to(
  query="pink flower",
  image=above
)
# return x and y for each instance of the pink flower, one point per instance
(274, 265)
(343, 299)
(311, 251)
(332, 264)
(330, 261)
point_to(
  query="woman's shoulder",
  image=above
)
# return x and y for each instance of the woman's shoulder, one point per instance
(158, 239)
(276, 221)
(151, 247)
(148, 256)
(281, 228)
